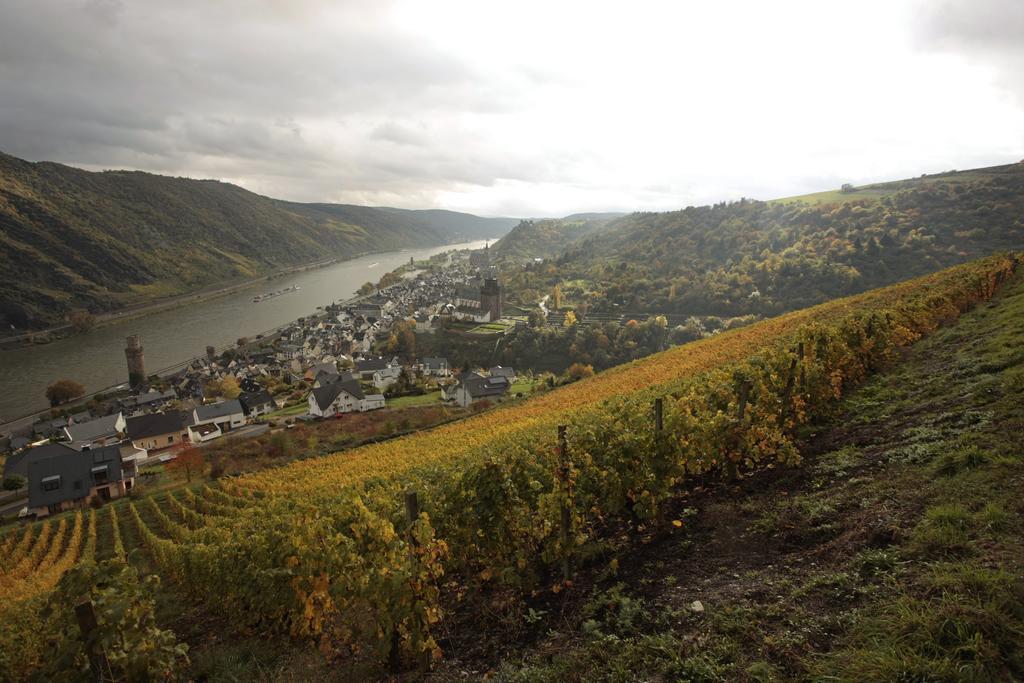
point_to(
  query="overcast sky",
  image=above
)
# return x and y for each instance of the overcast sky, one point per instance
(516, 108)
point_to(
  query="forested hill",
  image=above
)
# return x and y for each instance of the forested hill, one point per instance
(548, 237)
(76, 239)
(768, 257)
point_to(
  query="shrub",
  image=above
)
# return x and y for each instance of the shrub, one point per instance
(13, 482)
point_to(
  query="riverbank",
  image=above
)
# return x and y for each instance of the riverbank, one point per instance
(140, 309)
(174, 335)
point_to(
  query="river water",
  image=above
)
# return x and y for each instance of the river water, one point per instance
(96, 359)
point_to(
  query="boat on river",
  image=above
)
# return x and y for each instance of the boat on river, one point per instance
(270, 295)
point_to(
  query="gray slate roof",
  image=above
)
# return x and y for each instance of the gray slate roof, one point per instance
(154, 424)
(498, 371)
(222, 409)
(254, 399)
(325, 395)
(371, 364)
(75, 470)
(94, 429)
(479, 386)
(150, 397)
(19, 462)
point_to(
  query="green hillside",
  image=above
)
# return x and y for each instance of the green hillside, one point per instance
(548, 237)
(753, 257)
(75, 239)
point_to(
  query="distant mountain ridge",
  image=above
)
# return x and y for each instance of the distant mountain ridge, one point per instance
(71, 238)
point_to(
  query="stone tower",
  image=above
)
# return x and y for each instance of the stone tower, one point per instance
(136, 364)
(492, 297)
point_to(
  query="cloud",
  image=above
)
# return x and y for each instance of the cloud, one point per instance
(989, 32)
(533, 109)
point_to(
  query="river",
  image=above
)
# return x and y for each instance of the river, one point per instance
(96, 359)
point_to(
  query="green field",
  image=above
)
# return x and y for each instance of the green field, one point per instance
(290, 411)
(878, 190)
(428, 399)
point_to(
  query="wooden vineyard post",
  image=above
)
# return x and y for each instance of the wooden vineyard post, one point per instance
(412, 513)
(787, 393)
(803, 368)
(412, 509)
(659, 425)
(566, 517)
(744, 394)
(744, 390)
(87, 624)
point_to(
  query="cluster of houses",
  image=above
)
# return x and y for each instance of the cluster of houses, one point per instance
(72, 460)
(78, 458)
(345, 333)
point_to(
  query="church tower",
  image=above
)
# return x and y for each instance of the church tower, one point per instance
(492, 297)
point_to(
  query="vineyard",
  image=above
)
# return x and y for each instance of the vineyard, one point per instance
(331, 550)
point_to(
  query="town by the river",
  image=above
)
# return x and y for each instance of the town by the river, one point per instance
(97, 360)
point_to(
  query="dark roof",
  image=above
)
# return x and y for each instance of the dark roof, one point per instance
(478, 386)
(19, 462)
(150, 397)
(325, 395)
(469, 292)
(324, 367)
(435, 362)
(221, 409)
(255, 399)
(155, 424)
(371, 364)
(74, 470)
(498, 371)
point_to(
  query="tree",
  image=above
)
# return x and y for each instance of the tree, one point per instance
(226, 387)
(187, 461)
(280, 445)
(81, 321)
(570, 319)
(403, 339)
(367, 288)
(535, 318)
(391, 278)
(556, 297)
(578, 371)
(63, 391)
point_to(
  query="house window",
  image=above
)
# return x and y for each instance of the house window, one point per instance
(77, 485)
(170, 439)
(51, 483)
(99, 475)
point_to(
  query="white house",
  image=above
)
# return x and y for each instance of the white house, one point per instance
(256, 403)
(372, 402)
(385, 377)
(507, 373)
(204, 432)
(423, 321)
(436, 367)
(98, 432)
(342, 397)
(475, 387)
(227, 415)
